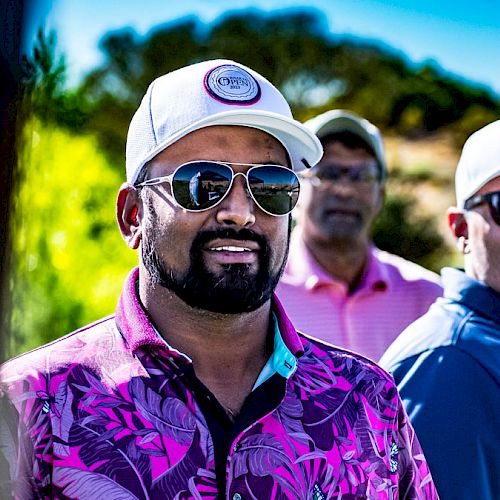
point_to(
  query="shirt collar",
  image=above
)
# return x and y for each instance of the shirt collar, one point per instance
(303, 269)
(376, 275)
(476, 295)
(138, 332)
(282, 361)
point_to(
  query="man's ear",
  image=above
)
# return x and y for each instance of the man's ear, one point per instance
(381, 198)
(129, 215)
(458, 225)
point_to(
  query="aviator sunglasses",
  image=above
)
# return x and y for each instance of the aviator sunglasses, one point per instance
(200, 185)
(493, 201)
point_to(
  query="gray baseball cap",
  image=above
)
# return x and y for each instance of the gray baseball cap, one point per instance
(340, 120)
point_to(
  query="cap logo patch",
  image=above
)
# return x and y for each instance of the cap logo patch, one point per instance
(231, 84)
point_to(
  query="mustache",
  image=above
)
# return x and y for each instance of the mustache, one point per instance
(346, 205)
(204, 237)
(342, 202)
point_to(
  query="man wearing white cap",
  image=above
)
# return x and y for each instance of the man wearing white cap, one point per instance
(199, 386)
(337, 285)
(447, 364)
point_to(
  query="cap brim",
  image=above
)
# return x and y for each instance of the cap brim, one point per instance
(301, 144)
(341, 124)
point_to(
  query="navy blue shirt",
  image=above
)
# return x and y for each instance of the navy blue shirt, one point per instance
(447, 367)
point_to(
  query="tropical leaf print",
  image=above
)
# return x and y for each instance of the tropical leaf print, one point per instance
(62, 418)
(86, 485)
(176, 479)
(122, 460)
(290, 413)
(368, 448)
(169, 416)
(203, 485)
(313, 374)
(259, 455)
(16, 454)
(329, 414)
(137, 432)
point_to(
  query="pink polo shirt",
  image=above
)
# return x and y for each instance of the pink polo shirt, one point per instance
(393, 293)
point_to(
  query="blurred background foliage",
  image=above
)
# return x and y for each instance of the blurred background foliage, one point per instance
(69, 260)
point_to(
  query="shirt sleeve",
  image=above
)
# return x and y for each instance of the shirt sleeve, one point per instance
(415, 480)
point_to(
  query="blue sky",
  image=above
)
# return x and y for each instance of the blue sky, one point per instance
(463, 37)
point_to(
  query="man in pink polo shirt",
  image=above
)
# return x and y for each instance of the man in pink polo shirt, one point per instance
(337, 285)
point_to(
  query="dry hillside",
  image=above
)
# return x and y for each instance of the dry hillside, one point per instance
(424, 169)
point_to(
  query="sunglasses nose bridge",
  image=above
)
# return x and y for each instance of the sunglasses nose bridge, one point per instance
(348, 176)
(236, 207)
(342, 185)
(246, 183)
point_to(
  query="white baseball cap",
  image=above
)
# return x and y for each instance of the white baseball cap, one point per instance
(218, 92)
(340, 120)
(479, 162)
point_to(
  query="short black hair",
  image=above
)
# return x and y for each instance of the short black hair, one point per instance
(348, 139)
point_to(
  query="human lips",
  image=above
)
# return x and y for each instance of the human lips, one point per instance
(342, 211)
(230, 248)
(233, 251)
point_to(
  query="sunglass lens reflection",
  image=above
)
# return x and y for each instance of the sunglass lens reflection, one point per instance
(199, 186)
(275, 189)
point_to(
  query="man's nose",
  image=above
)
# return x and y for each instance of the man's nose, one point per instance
(237, 208)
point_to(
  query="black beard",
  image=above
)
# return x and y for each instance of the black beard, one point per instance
(234, 291)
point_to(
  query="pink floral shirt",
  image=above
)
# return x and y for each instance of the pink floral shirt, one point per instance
(105, 412)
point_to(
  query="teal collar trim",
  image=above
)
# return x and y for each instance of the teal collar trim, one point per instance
(282, 361)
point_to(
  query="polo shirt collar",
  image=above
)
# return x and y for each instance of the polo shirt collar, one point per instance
(138, 331)
(303, 268)
(476, 295)
(376, 276)
(131, 318)
(281, 361)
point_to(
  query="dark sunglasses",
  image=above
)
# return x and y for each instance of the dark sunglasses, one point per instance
(493, 201)
(201, 185)
(331, 172)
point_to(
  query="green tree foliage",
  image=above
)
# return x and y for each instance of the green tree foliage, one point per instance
(315, 69)
(45, 94)
(400, 230)
(70, 260)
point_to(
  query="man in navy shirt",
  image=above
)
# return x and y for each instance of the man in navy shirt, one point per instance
(446, 364)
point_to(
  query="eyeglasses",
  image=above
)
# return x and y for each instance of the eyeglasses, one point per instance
(200, 185)
(331, 172)
(493, 200)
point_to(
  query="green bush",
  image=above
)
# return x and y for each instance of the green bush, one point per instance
(400, 230)
(69, 258)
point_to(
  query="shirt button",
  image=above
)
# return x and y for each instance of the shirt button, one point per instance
(237, 496)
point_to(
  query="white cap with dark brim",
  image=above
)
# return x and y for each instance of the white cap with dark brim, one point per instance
(219, 92)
